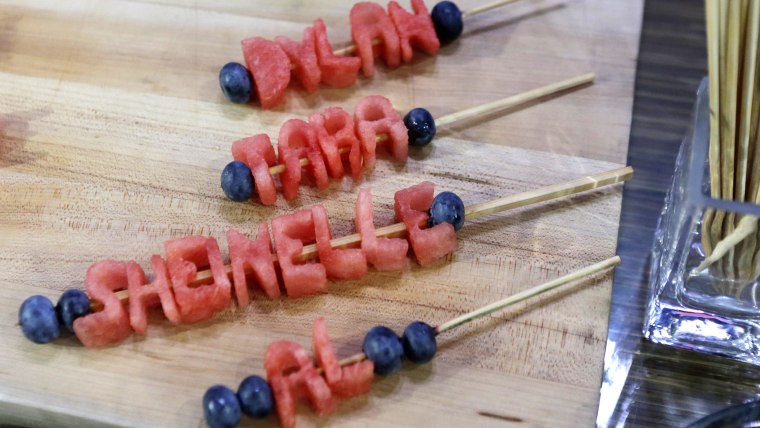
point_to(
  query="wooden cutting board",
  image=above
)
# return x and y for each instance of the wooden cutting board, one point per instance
(112, 137)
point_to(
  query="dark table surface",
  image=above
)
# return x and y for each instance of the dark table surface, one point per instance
(645, 384)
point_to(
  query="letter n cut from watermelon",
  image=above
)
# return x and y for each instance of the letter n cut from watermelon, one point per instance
(431, 244)
(385, 254)
(141, 296)
(184, 256)
(375, 115)
(111, 325)
(369, 21)
(345, 382)
(414, 29)
(270, 68)
(290, 232)
(257, 152)
(256, 255)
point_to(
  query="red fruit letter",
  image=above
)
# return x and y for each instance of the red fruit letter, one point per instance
(345, 382)
(375, 115)
(414, 29)
(335, 131)
(369, 21)
(111, 325)
(290, 232)
(270, 68)
(257, 255)
(304, 57)
(337, 71)
(299, 139)
(340, 264)
(383, 253)
(257, 152)
(143, 296)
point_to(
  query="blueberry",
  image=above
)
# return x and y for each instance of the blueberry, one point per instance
(255, 397)
(72, 305)
(236, 82)
(38, 320)
(419, 342)
(447, 19)
(237, 181)
(447, 208)
(384, 348)
(221, 407)
(420, 125)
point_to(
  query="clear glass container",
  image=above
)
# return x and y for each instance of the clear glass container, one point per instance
(715, 309)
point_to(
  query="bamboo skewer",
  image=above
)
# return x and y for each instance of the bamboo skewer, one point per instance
(542, 194)
(505, 303)
(483, 109)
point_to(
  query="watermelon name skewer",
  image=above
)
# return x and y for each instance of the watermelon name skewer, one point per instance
(120, 294)
(321, 143)
(291, 374)
(375, 32)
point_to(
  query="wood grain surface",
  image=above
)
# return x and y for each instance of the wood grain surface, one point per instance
(113, 133)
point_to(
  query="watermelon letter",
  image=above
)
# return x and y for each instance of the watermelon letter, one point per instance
(184, 256)
(143, 296)
(340, 264)
(369, 21)
(337, 71)
(335, 131)
(304, 57)
(257, 152)
(417, 29)
(298, 139)
(345, 382)
(383, 253)
(428, 244)
(257, 256)
(375, 115)
(290, 232)
(270, 68)
(111, 325)
(284, 357)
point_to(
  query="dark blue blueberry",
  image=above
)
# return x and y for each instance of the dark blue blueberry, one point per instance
(38, 320)
(72, 305)
(420, 126)
(419, 342)
(447, 19)
(447, 208)
(384, 348)
(237, 181)
(255, 397)
(236, 82)
(221, 407)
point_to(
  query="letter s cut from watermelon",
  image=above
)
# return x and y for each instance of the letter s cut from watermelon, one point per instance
(290, 232)
(369, 21)
(270, 68)
(184, 256)
(344, 382)
(340, 264)
(257, 152)
(337, 71)
(258, 256)
(304, 56)
(142, 295)
(375, 115)
(385, 254)
(298, 139)
(414, 29)
(335, 131)
(111, 325)
(431, 244)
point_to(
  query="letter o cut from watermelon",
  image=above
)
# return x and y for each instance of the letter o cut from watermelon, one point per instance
(111, 325)
(270, 68)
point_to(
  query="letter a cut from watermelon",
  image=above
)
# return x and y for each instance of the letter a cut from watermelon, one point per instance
(184, 256)
(298, 139)
(385, 254)
(369, 21)
(414, 29)
(270, 68)
(339, 264)
(111, 325)
(302, 379)
(375, 115)
(431, 244)
(257, 255)
(142, 296)
(337, 71)
(335, 131)
(345, 382)
(304, 57)
(257, 152)
(290, 232)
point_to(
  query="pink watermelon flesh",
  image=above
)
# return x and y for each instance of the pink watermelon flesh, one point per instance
(356, 379)
(375, 115)
(417, 29)
(290, 232)
(335, 131)
(339, 264)
(257, 255)
(111, 325)
(141, 296)
(257, 152)
(324, 353)
(431, 244)
(337, 71)
(304, 57)
(369, 21)
(270, 68)
(385, 254)
(298, 139)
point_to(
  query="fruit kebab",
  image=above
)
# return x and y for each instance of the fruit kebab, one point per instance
(120, 294)
(292, 375)
(313, 61)
(320, 146)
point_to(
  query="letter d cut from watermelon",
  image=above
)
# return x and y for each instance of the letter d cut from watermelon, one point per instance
(375, 115)
(337, 71)
(344, 382)
(431, 244)
(257, 255)
(414, 29)
(270, 68)
(142, 295)
(369, 21)
(111, 325)
(257, 152)
(290, 232)
(304, 57)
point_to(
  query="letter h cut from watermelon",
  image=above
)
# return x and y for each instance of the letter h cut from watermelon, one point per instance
(375, 115)
(184, 256)
(142, 296)
(411, 206)
(111, 325)
(290, 232)
(258, 256)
